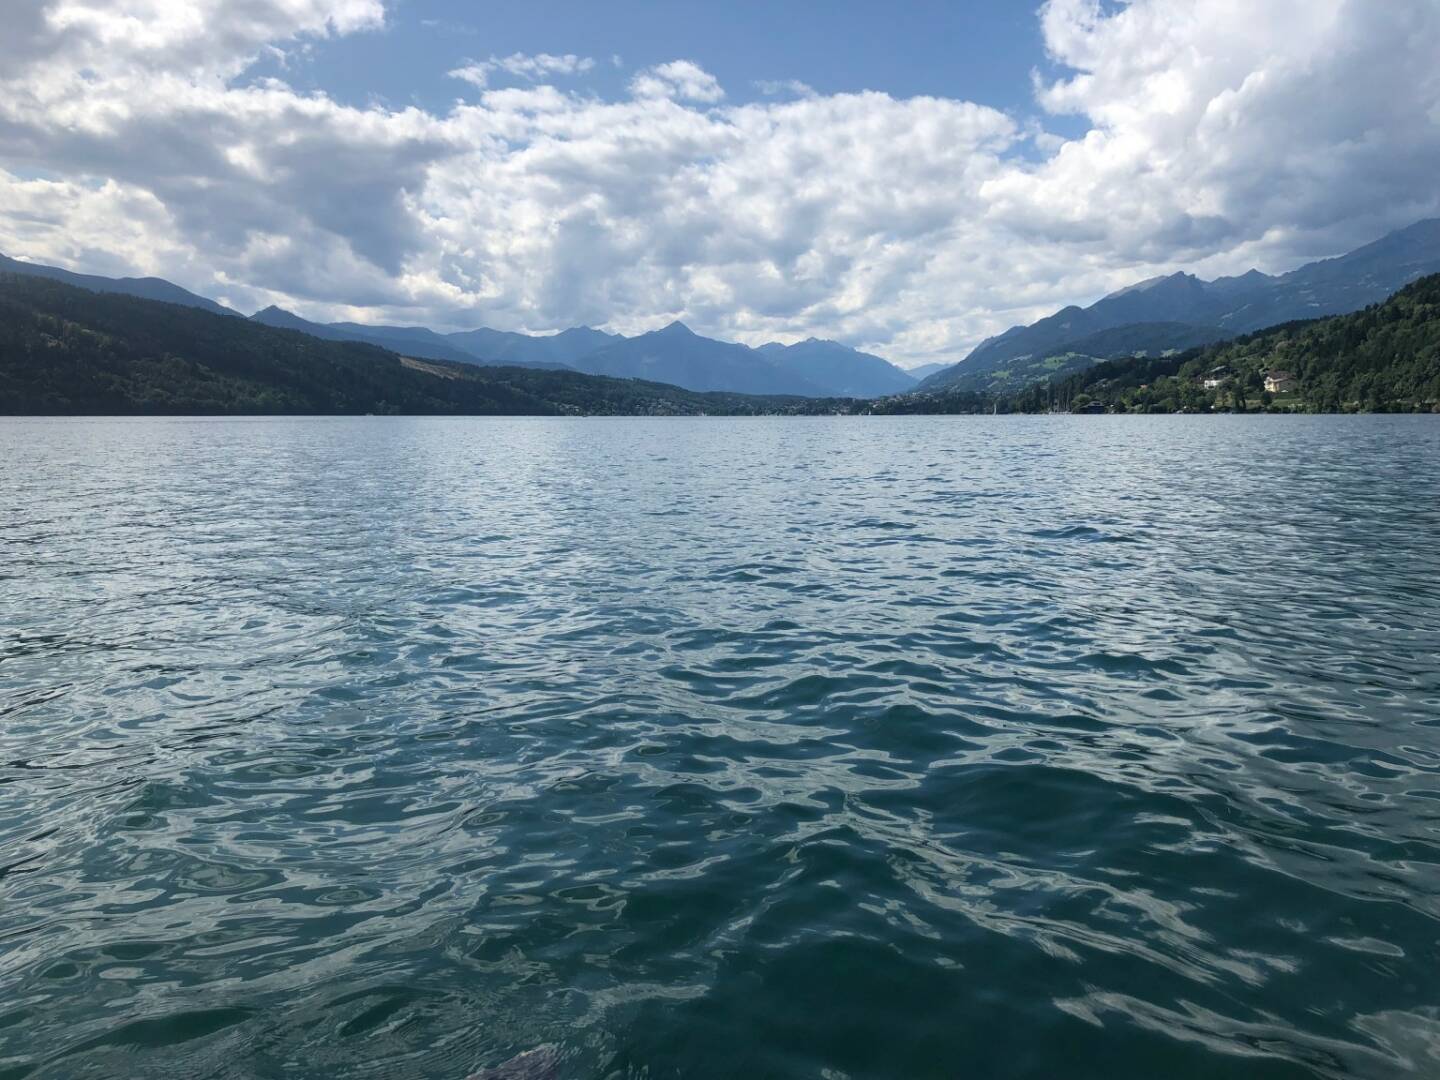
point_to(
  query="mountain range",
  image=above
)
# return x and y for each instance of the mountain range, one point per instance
(67, 350)
(70, 351)
(1167, 314)
(674, 355)
(1157, 317)
(841, 369)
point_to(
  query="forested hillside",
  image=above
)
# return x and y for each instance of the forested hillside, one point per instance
(1385, 358)
(1181, 311)
(66, 350)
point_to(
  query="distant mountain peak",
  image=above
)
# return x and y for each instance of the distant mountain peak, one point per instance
(676, 328)
(1180, 310)
(288, 320)
(1250, 279)
(1180, 278)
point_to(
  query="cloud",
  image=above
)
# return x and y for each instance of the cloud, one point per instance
(104, 38)
(1221, 134)
(680, 79)
(1225, 122)
(793, 87)
(533, 68)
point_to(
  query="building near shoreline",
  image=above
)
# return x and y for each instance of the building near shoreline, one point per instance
(1279, 382)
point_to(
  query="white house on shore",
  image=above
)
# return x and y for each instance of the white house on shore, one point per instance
(1215, 378)
(1279, 382)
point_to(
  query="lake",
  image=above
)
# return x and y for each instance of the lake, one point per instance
(855, 747)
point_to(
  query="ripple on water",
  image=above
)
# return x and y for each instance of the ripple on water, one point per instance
(512, 748)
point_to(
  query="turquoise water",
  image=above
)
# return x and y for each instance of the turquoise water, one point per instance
(1034, 747)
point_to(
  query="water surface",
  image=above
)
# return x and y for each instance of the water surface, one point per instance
(1035, 747)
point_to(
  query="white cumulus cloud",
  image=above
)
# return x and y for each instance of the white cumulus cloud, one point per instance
(1221, 134)
(681, 79)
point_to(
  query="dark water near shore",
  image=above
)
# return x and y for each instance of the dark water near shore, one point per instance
(1093, 747)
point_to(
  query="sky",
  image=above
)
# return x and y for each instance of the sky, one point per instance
(907, 178)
